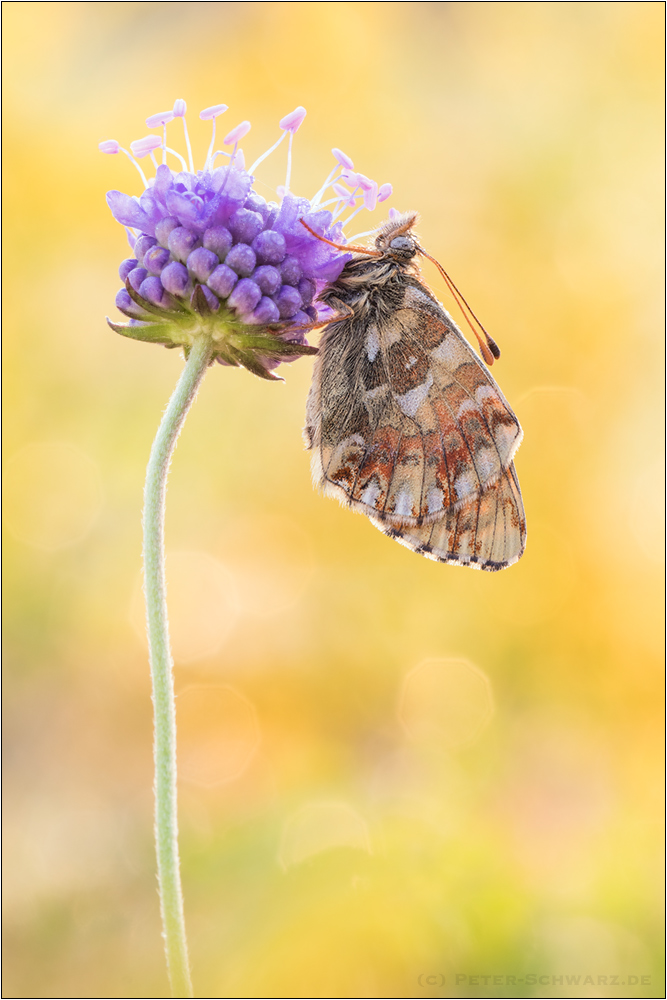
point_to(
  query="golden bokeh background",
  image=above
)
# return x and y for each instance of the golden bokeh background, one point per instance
(398, 778)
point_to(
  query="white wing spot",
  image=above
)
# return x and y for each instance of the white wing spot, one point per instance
(466, 406)
(391, 335)
(465, 485)
(404, 504)
(411, 400)
(452, 352)
(370, 494)
(434, 499)
(486, 392)
(413, 297)
(372, 343)
(505, 435)
(354, 439)
(486, 462)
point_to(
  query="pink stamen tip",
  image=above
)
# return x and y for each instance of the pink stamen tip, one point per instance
(109, 146)
(350, 178)
(343, 194)
(208, 113)
(142, 147)
(394, 213)
(292, 121)
(180, 107)
(237, 133)
(371, 196)
(160, 119)
(343, 158)
(239, 160)
(384, 192)
(365, 183)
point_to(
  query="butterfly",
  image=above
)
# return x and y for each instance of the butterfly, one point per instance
(405, 422)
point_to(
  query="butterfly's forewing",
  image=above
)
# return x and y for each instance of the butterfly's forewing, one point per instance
(487, 532)
(406, 422)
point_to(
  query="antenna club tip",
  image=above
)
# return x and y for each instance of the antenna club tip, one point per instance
(489, 358)
(493, 347)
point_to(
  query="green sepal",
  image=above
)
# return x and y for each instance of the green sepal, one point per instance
(248, 360)
(149, 306)
(253, 365)
(273, 345)
(199, 302)
(151, 333)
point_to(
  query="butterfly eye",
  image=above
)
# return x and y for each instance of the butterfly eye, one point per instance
(403, 245)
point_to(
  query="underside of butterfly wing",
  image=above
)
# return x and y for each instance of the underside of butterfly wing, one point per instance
(405, 420)
(488, 532)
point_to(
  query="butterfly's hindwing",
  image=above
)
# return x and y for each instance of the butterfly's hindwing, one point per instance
(488, 532)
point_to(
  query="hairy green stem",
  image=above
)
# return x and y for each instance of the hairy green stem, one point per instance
(166, 820)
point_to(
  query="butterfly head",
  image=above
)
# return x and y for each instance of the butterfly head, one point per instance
(396, 240)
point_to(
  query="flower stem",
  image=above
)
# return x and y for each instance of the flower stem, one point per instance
(166, 820)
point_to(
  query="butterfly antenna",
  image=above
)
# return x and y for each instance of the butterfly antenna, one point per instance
(338, 246)
(488, 347)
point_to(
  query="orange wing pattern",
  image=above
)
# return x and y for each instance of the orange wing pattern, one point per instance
(408, 427)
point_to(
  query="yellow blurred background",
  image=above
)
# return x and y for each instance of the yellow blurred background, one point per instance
(398, 778)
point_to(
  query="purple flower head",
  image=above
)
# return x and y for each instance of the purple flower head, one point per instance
(212, 256)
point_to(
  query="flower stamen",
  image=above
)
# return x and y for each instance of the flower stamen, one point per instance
(260, 159)
(235, 137)
(291, 123)
(218, 152)
(168, 149)
(328, 183)
(211, 114)
(162, 118)
(343, 158)
(180, 107)
(142, 147)
(345, 204)
(111, 146)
